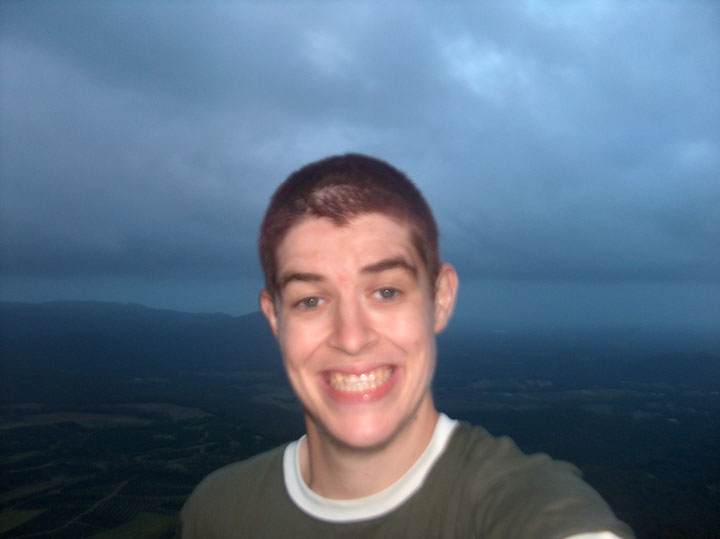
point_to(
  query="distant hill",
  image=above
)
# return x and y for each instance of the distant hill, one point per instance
(87, 350)
(52, 348)
(584, 358)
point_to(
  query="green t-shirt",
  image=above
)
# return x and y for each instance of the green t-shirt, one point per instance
(478, 486)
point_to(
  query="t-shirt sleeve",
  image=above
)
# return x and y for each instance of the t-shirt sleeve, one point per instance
(518, 495)
(540, 497)
(597, 535)
(223, 504)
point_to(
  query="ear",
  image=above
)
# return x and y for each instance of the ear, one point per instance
(446, 287)
(267, 306)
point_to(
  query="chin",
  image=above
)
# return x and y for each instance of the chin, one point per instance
(365, 437)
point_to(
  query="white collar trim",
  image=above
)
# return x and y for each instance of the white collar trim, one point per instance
(368, 507)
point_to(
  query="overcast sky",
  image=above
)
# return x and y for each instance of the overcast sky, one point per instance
(571, 150)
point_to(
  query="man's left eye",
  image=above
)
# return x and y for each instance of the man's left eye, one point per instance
(387, 293)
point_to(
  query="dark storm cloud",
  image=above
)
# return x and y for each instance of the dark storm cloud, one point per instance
(577, 142)
(601, 163)
(104, 172)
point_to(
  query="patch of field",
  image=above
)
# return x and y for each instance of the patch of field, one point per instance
(12, 518)
(599, 409)
(176, 465)
(143, 526)
(30, 489)
(81, 418)
(19, 457)
(22, 407)
(277, 397)
(505, 406)
(173, 411)
(601, 394)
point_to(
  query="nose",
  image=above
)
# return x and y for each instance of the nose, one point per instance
(352, 330)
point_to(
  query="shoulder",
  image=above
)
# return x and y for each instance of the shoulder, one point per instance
(514, 494)
(247, 471)
(497, 460)
(227, 493)
(493, 459)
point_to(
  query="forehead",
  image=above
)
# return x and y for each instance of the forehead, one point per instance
(318, 240)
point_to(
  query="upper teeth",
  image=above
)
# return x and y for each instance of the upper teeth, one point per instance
(360, 382)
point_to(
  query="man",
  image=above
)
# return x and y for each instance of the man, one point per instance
(355, 294)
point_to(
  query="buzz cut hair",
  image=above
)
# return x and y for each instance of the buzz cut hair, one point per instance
(341, 188)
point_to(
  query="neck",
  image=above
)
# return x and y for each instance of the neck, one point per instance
(334, 470)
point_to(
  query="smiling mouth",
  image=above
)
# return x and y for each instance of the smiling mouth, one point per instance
(358, 383)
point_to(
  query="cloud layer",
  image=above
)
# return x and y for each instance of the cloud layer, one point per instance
(572, 143)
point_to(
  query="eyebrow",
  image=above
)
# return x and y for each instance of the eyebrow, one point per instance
(391, 263)
(299, 276)
(377, 267)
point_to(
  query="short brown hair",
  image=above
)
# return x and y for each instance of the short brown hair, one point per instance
(340, 188)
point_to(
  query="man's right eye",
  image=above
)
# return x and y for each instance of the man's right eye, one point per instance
(309, 303)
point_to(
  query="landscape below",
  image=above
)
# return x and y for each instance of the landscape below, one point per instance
(110, 414)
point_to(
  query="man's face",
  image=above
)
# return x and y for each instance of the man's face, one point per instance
(356, 321)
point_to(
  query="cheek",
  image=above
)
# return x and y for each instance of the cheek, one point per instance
(411, 332)
(297, 341)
